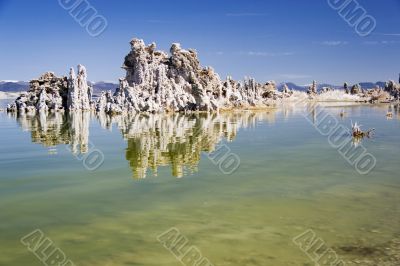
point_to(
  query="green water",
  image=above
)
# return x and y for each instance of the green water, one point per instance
(157, 174)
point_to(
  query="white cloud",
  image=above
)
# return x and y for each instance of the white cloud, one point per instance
(252, 53)
(371, 42)
(387, 34)
(9, 80)
(245, 14)
(294, 76)
(157, 21)
(390, 42)
(334, 43)
(383, 42)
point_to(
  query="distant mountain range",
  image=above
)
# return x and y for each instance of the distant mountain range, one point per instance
(364, 85)
(103, 86)
(16, 86)
(13, 86)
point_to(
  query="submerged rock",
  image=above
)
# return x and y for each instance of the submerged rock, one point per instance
(366, 254)
(358, 133)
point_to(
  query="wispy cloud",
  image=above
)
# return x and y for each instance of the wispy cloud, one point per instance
(391, 34)
(383, 42)
(268, 54)
(390, 42)
(371, 42)
(333, 43)
(157, 21)
(387, 34)
(245, 14)
(219, 53)
(294, 76)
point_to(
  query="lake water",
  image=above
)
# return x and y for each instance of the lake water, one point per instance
(103, 189)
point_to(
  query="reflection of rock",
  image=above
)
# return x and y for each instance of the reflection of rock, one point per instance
(176, 140)
(154, 140)
(79, 131)
(51, 129)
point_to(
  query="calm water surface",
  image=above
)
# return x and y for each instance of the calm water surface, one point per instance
(157, 174)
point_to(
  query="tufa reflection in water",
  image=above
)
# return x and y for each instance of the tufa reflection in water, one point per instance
(51, 129)
(153, 140)
(176, 140)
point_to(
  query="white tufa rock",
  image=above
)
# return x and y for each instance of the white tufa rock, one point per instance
(52, 93)
(158, 82)
(79, 92)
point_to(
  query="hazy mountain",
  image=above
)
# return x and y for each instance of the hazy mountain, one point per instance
(364, 85)
(103, 86)
(292, 86)
(371, 85)
(13, 86)
(16, 86)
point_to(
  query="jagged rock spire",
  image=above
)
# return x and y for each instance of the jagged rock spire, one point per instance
(79, 92)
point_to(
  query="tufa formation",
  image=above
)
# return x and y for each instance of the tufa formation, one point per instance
(176, 82)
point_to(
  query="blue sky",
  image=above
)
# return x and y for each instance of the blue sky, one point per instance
(282, 40)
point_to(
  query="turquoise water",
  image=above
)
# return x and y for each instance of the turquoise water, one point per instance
(157, 173)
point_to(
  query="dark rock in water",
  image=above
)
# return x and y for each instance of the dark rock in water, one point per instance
(362, 251)
(387, 254)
